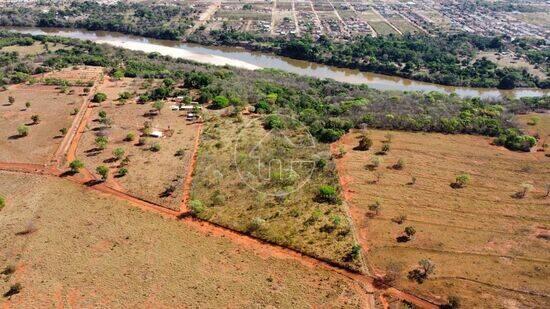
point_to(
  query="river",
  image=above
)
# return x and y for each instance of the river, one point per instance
(241, 58)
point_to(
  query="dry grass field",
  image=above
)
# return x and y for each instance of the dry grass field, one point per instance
(73, 247)
(378, 23)
(537, 125)
(54, 110)
(489, 245)
(228, 187)
(76, 74)
(150, 173)
(35, 49)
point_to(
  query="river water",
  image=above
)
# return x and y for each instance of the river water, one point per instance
(241, 58)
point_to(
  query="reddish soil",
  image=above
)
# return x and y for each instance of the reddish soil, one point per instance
(189, 177)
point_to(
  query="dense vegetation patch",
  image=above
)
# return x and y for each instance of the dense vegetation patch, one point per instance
(329, 109)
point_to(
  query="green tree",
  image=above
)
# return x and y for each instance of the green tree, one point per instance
(76, 165)
(27, 105)
(63, 131)
(35, 119)
(103, 171)
(364, 143)
(23, 130)
(2, 202)
(118, 153)
(11, 100)
(99, 97)
(101, 142)
(158, 106)
(220, 102)
(461, 180)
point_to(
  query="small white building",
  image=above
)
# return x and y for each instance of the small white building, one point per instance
(156, 133)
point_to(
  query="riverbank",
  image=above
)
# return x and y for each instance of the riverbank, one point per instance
(238, 57)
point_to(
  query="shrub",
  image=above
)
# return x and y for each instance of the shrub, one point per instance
(399, 165)
(355, 252)
(410, 231)
(255, 224)
(76, 165)
(220, 102)
(155, 147)
(130, 137)
(122, 172)
(158, 106)
(99, 97)
(125, 161)
(103, 171)
(102, 114)
(327, 194)
(35, 119)
(74, 111)
(375, 207)
(364, 143)
(196, 207)
(452, 303)
(217, 198)
(118, 153)
(23, 130)
(27, 105)
(385, 148)
(180, 152)
(101, 142)
(461, 181)
(273, 122)
(63, 131)
(524, 189)
(2, 202)
(399, 219)
(513, 140)
(142, 141)
(423, 271)
(11, 100)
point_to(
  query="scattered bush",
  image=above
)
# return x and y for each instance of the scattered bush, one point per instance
(327, 194)
(375, 207)
(103, 171)
(2, 202)
(101, 142)
(385, 149)
(273, 122)
(76, 165)
(102, 114)
(23, 130)
(130, 137)
(461, 181)
(255, 224)
(354, 253)
(196, 207)
(158, 106)
(410, 231)
(452, 303)
(122, 172)
(399, 165)
(27, 105)
(220, 102)
(11, 100)
(524, 189)
(118, 153)
(514, 140)
(99, 97)
(63, 131)
(399, 219)
(423, 271)
(155, 147)
(364, 143)
(180, 152)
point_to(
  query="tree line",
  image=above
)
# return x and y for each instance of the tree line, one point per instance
(328, 108)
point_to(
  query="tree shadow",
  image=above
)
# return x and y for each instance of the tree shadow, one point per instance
(68, 173)
(93, 182)
(16, 136)
(402, 239)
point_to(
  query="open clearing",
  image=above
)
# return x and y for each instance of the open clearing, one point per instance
(150, 173)
(90, 250)
(34, 49)
(488, 246)
(54, 110)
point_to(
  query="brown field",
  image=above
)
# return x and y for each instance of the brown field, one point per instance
(54, 109)
(89, 250)
(488, 246)
(76, 74)
(149, 173)
(235, 199)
